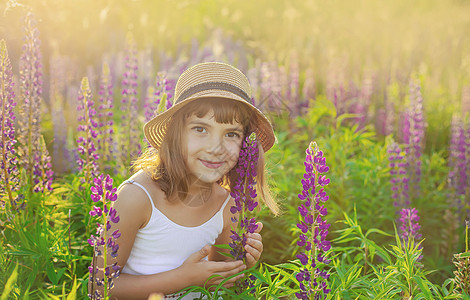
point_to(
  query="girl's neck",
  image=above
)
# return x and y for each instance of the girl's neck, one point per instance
(199, 193)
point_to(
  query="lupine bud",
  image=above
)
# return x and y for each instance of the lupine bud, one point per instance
(314, 229)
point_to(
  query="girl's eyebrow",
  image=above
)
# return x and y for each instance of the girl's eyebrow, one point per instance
(197, 122)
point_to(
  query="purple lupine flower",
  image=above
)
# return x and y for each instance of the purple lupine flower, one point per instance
(9, 174)
(104, 194)
(104, 118)
(399, 179)
(43, 170)
(130, 143)
(87, 137)
(415, 136)
(244, 195)
(457, 162)
(408, 227)
(314, 228)
(31, 91)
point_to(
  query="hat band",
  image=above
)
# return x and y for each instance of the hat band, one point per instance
(213, 86)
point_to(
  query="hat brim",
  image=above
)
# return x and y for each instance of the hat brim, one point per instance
(155, 129)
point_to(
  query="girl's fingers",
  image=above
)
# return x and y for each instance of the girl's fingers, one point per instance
(260, 226)
(250, 260)
(255, 243)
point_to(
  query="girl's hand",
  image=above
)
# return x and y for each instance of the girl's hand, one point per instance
(199, 270)
(254, 246)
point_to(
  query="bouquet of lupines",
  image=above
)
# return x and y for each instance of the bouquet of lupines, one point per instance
(312, 240)
(104, 243)
(244, 195)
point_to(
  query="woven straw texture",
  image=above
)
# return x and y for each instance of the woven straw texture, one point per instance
(201, 76)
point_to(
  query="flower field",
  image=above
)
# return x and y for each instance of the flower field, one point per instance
(370, 103)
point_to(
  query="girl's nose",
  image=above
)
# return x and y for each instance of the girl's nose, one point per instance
(216, 146)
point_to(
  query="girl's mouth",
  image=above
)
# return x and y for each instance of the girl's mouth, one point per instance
(210, 164)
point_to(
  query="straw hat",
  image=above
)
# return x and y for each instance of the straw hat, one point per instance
(206, 80)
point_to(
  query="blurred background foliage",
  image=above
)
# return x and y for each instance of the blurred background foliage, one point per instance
(335, 43)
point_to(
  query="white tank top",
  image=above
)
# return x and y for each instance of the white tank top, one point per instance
(163, 245)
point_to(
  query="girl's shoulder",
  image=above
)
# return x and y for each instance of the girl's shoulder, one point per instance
(136, 195)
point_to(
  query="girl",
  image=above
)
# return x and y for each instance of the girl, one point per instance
(177, 204)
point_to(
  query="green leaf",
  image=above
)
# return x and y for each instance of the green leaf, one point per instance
(464, 254)
(423, 286)
(10, 283)
(73, 293)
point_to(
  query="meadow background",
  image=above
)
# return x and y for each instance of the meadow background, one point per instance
(357, 77)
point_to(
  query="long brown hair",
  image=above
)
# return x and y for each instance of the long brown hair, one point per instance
(167, 165)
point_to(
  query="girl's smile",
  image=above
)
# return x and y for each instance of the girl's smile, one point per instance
(212, 147)
(211, 165)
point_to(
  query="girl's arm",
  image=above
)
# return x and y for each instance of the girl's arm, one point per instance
(134, 208)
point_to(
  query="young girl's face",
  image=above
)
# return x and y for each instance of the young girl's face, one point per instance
(212, 147)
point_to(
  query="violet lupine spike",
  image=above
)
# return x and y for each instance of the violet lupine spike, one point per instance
(104, 118)
(104, 194)
(130, 142)
(415, 137)
(9, 173)
(31, 91)
(87, 137)
(312, 278)
(398, 173)
(456, 155)
(408, 227)
(43, 170)
(244, 195)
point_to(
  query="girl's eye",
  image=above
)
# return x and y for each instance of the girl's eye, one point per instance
(199, 129)
(233, 134)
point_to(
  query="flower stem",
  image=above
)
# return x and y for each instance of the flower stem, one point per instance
(105, 251)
